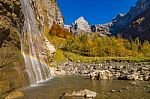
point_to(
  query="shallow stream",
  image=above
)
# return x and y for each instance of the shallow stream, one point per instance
(106, 89)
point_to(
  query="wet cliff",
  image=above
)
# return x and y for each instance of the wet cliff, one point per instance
(12, 73)
(15, 39)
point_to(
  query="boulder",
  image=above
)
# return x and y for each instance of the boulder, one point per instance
(134, 76)
(105, 75)
(82, 93)
(94, 76)
(101, 75)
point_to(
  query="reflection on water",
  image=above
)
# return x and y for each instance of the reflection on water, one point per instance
(54, 88)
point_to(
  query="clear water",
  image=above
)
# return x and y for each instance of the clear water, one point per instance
(55, 87)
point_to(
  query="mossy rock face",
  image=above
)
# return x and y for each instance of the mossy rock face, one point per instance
(15, 95)
(12, 74)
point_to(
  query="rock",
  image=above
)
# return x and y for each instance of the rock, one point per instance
(113, 91)
(127, 88)
(57, 72)
(86, 72)
(146, 76)
(82, 93)
(133, 76)
(78, 27)
(145, 68)
(105, 75)
(108, 70)
(81, 24)
(103, 29)
(94, 76)
(134, 83)
(120, 90)
(14, 95)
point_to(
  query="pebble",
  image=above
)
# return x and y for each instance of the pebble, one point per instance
(120, 90)
(113, 91)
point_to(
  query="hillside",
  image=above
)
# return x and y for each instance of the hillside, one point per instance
(139, 27)
(122, 20)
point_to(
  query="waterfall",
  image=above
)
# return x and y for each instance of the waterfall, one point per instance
(35, 48)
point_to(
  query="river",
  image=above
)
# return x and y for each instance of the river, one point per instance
(106, 89)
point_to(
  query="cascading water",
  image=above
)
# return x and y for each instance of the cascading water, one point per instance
(34, 47)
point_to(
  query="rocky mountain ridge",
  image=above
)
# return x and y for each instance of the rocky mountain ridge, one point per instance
(139, 27)
(78, 26)
(119, 23)
(81, 26)
(122, 20)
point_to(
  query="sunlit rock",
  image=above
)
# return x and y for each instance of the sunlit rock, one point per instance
(82, 93)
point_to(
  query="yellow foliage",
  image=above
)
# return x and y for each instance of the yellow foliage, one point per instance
(95, 46)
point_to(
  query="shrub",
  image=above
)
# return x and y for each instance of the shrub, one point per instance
(59, 31)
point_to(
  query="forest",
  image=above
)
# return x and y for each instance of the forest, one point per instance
(95, 46)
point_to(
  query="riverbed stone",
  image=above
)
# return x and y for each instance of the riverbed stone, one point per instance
(134, 83)
(113, 91)
(108, 70)
(133, 76)
(94, 76)
(120, 90)
(57, 72)
(105, 75)
(81, 93)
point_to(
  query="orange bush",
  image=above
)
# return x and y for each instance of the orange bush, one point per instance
(59, 31)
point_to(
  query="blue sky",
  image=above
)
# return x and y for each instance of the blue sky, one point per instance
(94, 11)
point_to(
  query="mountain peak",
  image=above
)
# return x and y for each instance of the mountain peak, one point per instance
(81, 24)
(81, 20)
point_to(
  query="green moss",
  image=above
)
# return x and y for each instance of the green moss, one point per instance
(4, 87)
(10, 56)
(76, 57)
(59, 56)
